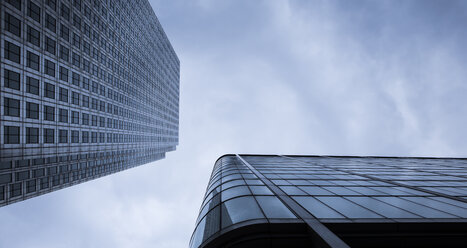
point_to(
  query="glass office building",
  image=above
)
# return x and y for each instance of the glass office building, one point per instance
(327, 201)
(88, 88)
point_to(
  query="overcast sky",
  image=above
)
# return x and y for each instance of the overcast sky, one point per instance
(272, 76)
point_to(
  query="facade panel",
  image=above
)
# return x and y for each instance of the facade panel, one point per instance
(88, 88)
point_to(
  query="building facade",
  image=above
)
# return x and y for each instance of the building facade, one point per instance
(327, 201)
(88, 88)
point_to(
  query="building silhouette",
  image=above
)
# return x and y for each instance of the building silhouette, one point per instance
(88, 88)
(329, 201)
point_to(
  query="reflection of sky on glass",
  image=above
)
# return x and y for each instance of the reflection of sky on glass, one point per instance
(283, 77)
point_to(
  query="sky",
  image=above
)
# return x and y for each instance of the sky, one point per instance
(272, 77)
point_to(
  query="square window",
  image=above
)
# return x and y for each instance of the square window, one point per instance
(15, 189)
(11, 135)
(11, 107)
(32, 85)
(32, 110)
(11, 79)
(49, 136)
(12, 52)
(32, 61)
(32, 135)
(34, 36)
(12, 24)
(34, 11)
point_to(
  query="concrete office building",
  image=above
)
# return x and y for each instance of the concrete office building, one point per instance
(328, 201)
(88, 88)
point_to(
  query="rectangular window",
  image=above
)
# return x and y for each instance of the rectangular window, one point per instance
(93, 120)
(85, 101)
(64, 53)
(12, 24)
(49, 113)
(32, 85)
(15, 3)
(32, 110)
(31, 186)
(65, 12)
(15, 189)
(75, 98)
(50, 23)
(85, 83)
(12, 79)
(76, 21)
(76, 40)
(34, 11)
(62, 136)
(11, 107)
(50, 45)
(85, 119)
(64, 32)
(63, 115)
(32, 61)
(85, 137)
(101, 121)
(12, 52)
(63, 74)
(93, 137)
(74, 117)
(76, 60)
(74, 136)
(34, 36)
(11, 135)
(49, 90)
(94, 103)
(86, 65)
(102, 106)
(86, 48)
(49, 68)
(95, 87)
(52, 4)
(32, 135)
(49, 135)
(63, 95)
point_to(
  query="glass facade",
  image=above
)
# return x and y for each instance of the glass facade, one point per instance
(344, 201)
(88, 88)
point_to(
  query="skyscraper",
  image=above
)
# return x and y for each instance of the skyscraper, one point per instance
(329, 201)
(88, 88)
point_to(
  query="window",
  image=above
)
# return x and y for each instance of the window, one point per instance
(85, 101)
(65, 12)
(85, 83)
(11, 107)
(93, 137)
(85, 137)
(63, 74)
(94, 103)
(63, 95)
(49, 113)
(50, 23)
(32, 110)
(12, 79)
(77, 4)
(76, 21)
(15, 189)
(102, 137)
(12, 24)
(86, 48)
(64, 32)
(31, 186)
(34, 36)
(49, 90)
(11, 135)
(76, 40)
(95, 87)
(32, 85)
(76, 60)
(63, 115)
(49, 68)
(86, 65)
(75, 98)
(74, 117)
(64, 53)
(32, 135)
(50, 45)
(32, 61)
(85, 119)
(75, 78)
(15, 3)
(52, 4)
(102, 90)
(87, 30)
(101, 121)
(102, 106)
(93, 120)
(49, 135)
(62, 136)
(34, 11)
(12, 52)
(74, 136)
